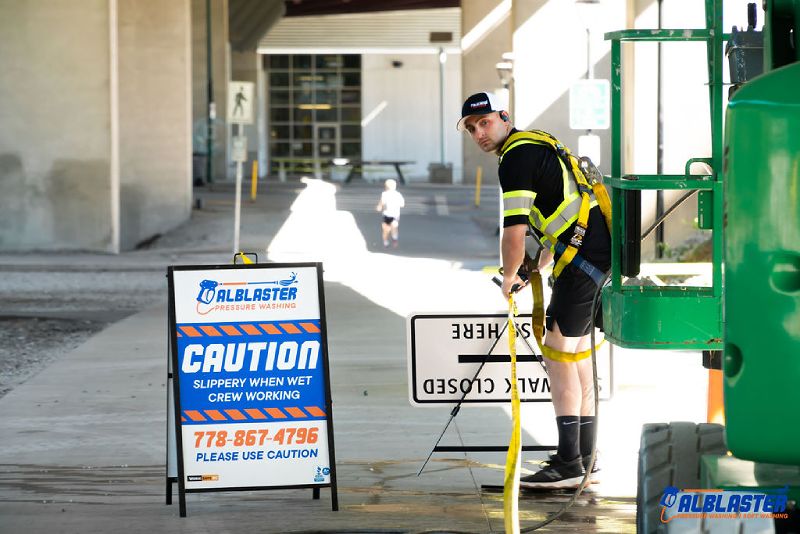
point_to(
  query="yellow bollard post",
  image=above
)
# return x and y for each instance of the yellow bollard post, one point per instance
(254, 182)
(478, 176)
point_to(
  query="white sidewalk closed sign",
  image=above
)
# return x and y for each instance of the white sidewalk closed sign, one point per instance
(445, 352)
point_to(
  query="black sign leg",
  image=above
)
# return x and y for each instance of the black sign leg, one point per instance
(169, 491)
(334, 497)
(182, 501)
(315, 494)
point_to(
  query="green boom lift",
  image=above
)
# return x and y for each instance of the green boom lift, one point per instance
(748, 321)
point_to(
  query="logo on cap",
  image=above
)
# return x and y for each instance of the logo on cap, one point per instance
(480, 104)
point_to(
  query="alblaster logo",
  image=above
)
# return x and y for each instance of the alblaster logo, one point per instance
(238, 296)
(723, 504)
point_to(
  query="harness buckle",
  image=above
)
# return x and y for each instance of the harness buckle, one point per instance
(577, 237)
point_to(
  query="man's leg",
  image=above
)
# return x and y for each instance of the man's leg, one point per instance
(395, 230)
(565, 389)
(565, 469)
(588, 423)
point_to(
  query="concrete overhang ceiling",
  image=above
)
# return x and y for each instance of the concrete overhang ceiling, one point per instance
(302, 8)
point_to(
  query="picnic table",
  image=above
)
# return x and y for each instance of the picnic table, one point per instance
(357, 165)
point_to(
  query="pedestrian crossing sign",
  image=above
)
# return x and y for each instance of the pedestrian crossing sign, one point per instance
(241, 96)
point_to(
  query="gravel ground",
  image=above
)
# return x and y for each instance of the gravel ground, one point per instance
(47, 312)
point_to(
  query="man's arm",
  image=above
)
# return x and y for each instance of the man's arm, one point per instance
(513, 250)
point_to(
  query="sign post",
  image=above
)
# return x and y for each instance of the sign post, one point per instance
(251, 383)
(240, 111)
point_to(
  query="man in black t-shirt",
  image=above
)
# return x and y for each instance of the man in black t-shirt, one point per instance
(539, 194)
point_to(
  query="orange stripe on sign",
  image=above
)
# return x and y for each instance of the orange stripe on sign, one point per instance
(275, 412)
(290, 328)
(255, 413)
(190, 331)
(179, 334)
(183, 419)
(194, 415)
(216, 415)
(236, 415)
(315, 411)
(296, 412)
(233, 284)
(270, 329)
(250, 329)
(210, 330)
(311, 328)
(230, 330)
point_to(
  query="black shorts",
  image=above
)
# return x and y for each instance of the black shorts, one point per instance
(388, 220)
(571, 303)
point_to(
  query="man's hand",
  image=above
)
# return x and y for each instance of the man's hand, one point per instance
(509, 281)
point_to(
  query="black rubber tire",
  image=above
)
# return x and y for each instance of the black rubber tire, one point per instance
(669, 455)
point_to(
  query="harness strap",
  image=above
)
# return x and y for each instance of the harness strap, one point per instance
(593, 272)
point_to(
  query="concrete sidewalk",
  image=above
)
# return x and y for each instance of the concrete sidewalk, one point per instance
(83, 442)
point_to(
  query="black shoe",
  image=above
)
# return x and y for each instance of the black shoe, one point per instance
(556, 473)
(586, 459)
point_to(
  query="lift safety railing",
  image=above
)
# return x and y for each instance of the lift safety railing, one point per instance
(666, 317)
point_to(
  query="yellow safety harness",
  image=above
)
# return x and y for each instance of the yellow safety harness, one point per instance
(580, 197)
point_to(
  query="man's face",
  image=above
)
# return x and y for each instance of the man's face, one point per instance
(488, 131)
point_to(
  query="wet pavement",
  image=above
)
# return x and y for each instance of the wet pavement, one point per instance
(83, 441)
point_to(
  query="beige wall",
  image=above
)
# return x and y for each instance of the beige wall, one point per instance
(409, 125)
(87, 84)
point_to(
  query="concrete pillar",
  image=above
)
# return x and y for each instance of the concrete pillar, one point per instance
(55, 144)
(154, 117)
(94, 106)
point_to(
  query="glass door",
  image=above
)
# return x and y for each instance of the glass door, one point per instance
(326, 141)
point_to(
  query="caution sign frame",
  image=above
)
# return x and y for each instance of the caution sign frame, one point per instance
(250, 378)
(465, 343)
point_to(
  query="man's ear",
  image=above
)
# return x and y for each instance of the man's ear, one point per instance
(504, 116)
